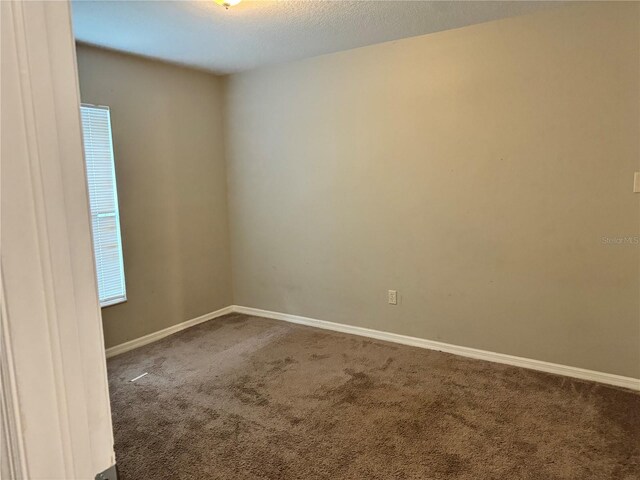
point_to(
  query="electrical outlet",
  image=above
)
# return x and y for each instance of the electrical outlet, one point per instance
(393, 297)
(636, 182)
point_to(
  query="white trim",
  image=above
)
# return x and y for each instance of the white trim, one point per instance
(14, 464)
(555, 368)
(54, 374)
(575, 372)
(155, 336)
(114, 301)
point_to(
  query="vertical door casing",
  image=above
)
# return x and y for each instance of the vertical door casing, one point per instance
(54, 382)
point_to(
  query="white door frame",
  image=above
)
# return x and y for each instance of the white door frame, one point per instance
(55, 400)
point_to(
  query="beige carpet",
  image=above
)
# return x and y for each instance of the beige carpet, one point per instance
(247, 398)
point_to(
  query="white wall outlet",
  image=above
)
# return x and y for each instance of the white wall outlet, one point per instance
(636, 182)
(393, 297)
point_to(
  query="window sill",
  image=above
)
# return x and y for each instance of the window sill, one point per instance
(112, 302)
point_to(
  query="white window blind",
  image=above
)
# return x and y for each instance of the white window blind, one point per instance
(103, 199)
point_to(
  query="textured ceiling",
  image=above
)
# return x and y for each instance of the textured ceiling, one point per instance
(257, 33)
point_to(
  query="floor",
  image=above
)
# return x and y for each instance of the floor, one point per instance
(242, 397)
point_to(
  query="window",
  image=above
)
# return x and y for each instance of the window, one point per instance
(103, 200)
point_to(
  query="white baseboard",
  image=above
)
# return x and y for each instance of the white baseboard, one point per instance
(575, 372)
(155, 336)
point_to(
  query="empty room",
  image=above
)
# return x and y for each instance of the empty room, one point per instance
(263, 240)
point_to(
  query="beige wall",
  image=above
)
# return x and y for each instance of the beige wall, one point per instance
(171, 177)
(475, 171)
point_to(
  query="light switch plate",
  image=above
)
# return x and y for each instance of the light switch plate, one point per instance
(636, 182)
